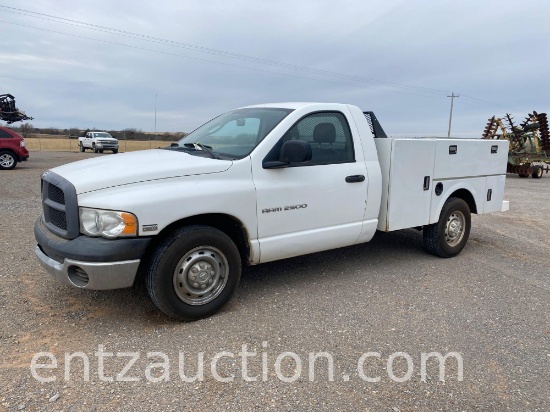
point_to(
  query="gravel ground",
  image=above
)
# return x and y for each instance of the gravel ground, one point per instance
(490, 304)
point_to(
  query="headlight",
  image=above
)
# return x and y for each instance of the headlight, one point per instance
(107, 223)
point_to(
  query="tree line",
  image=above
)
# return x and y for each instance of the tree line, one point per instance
(28, 130)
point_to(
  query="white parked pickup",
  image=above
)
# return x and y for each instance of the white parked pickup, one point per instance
(254, 185)
(98, 142)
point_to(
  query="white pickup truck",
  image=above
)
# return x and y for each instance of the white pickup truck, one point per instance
(255, 185)
(98, 142)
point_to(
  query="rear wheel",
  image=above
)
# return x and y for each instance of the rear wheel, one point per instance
(193, 272)
(523, 175)
(537, 174)
(449, 235)
(7, 160)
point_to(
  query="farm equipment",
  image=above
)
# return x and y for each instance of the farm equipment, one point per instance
(529, 152)
(8, 112)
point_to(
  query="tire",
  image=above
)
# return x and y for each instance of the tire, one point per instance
(82, 148)
(115, 151)
(523, 175)
(95, 149)
(449, 235)
(537, 174)
(100, 150)
(183, 264)
(7, 160)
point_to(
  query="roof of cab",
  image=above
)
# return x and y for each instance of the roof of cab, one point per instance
(290, 105)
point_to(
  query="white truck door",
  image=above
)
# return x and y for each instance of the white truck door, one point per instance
(318, 205)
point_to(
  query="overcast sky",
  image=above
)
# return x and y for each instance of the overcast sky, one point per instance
(398, 58)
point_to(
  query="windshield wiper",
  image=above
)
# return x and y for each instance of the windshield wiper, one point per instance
(207, 149)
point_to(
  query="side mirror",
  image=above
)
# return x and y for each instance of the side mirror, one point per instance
(293, 151)
(174, 144)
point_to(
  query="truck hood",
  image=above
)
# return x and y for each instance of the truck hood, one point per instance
(127, 168)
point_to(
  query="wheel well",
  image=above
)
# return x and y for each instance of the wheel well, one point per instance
(465, 195)
(229, 225)
(12, 152)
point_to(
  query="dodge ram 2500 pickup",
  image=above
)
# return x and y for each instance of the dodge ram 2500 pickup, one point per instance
(98, 142)
(254, 185)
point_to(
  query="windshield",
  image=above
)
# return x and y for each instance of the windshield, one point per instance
(234, 134)
(102, 135)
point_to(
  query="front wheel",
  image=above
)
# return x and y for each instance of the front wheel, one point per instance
(449, 235)
(82, 149)
(115, 151)
(193, 272)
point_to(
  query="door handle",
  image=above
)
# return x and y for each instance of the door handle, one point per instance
(355, 179)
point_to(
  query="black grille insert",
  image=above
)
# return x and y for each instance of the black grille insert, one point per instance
(56, 194)
(58, 218)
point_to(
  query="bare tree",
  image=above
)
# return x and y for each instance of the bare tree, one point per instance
(51, 130)
(131, 133)
(73, 132)
(26, 129)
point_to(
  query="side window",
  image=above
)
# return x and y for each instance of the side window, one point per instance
(328, 134)
(5, 135)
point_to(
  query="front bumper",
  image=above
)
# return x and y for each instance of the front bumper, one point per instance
(23, 155)
(90, 275)
(87, 262)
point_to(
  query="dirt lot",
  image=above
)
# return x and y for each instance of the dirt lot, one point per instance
(490, 304)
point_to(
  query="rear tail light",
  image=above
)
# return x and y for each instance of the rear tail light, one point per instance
(22, 143)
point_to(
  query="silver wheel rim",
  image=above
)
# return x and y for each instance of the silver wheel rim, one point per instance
(6, 160)
(454, 229)
(200, 275)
